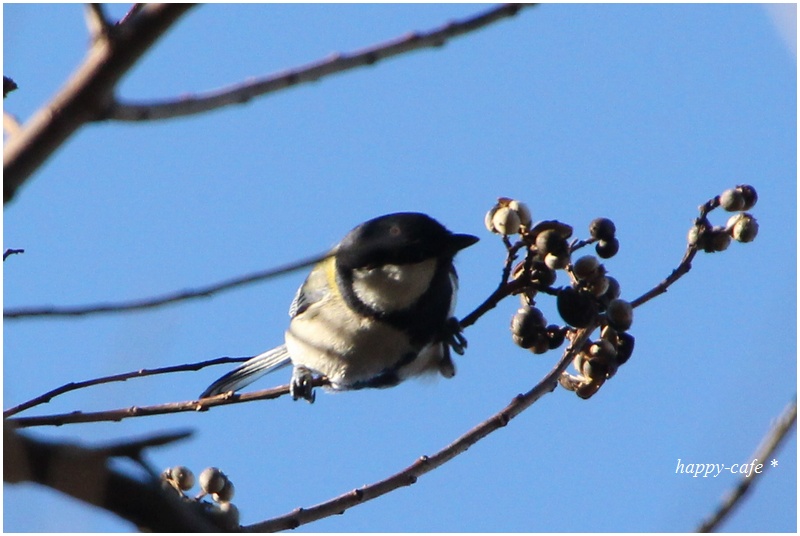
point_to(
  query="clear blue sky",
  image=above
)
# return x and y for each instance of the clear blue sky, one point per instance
(635, 112)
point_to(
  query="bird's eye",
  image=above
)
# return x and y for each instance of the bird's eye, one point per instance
(395, 230)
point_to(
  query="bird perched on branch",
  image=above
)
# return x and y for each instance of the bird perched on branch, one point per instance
(376, 311)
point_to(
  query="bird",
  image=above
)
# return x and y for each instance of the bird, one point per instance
(377, 310)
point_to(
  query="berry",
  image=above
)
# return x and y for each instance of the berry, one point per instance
(602, 229)
(542, 274)
(717, 239)
(505, 221)
(625, 343)
(732, 200)
(212, 480)
(225, 494)
(585, 267)
(526, 326)
(696, 237)
(556, 262)
(522, 211)
(602, 350)
(182, 477)
(607, 248)
(551, 241)
(613, 290)
(743, 227)
(577, 308)
(619, 314)
(749, 194)
(555, 336)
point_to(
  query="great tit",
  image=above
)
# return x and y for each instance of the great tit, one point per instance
(376, 311)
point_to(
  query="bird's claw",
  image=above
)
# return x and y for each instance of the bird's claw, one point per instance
(300, 386)
(454, 338)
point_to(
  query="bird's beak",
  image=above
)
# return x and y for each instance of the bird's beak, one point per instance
(461, 241)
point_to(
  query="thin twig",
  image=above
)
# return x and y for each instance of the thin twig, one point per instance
(425, 464)
(10, 124)
(779, 431)
(115, 415)
(682, 269)
(135, 8)
(73, 386)
(686, 262)
(7, 253)
(132, 448)
(244, 92)
(158, 301)
(86, 95)
(8, 86)
(97, 21)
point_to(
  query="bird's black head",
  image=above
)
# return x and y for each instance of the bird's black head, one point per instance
(399, 238)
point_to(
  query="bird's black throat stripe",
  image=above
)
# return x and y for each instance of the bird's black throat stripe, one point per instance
(423, 321)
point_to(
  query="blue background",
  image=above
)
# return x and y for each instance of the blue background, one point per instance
(635, 112)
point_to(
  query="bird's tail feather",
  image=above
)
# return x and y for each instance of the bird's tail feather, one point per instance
(250, 371)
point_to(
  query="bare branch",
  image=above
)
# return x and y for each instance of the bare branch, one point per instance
(10, 124)
(158, 301)
(85, 474)
(7, 253)
(115, 415)
(779, 431)
(686, 262)
(682, 269)
(134, 448)
(244, 92)
(135, 8)
(86, 95)
(8, 86)
(74, 386)
(425, 464)
(96, 21)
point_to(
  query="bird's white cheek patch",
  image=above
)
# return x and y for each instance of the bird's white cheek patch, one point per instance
(393, 287)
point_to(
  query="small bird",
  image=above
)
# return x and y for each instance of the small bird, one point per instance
(376, 311)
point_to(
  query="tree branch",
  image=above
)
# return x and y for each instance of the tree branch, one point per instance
(7, 253)
(779, 431)
(116, 415)
(158, 301)
(686, 262)
(85, 474)
(244, 92)
(86, 95)
(74, 386)
(425, 464)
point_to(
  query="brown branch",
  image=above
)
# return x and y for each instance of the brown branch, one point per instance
(135, 8)
(682, 269)
(86, 95)
(779, 431)
(97, 21)
(425, 464)
(7, 253)
(10, 124)
(115, 415)
(74, 386)
(85, 474)
(686, 262)
(158, 301)
(244, 92)
(8, 86)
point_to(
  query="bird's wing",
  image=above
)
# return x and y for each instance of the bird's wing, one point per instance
(318, 284)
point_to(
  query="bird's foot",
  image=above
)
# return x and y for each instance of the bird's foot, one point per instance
(301, 386)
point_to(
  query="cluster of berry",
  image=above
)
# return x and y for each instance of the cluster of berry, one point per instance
(592, 299)
(213, 482)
